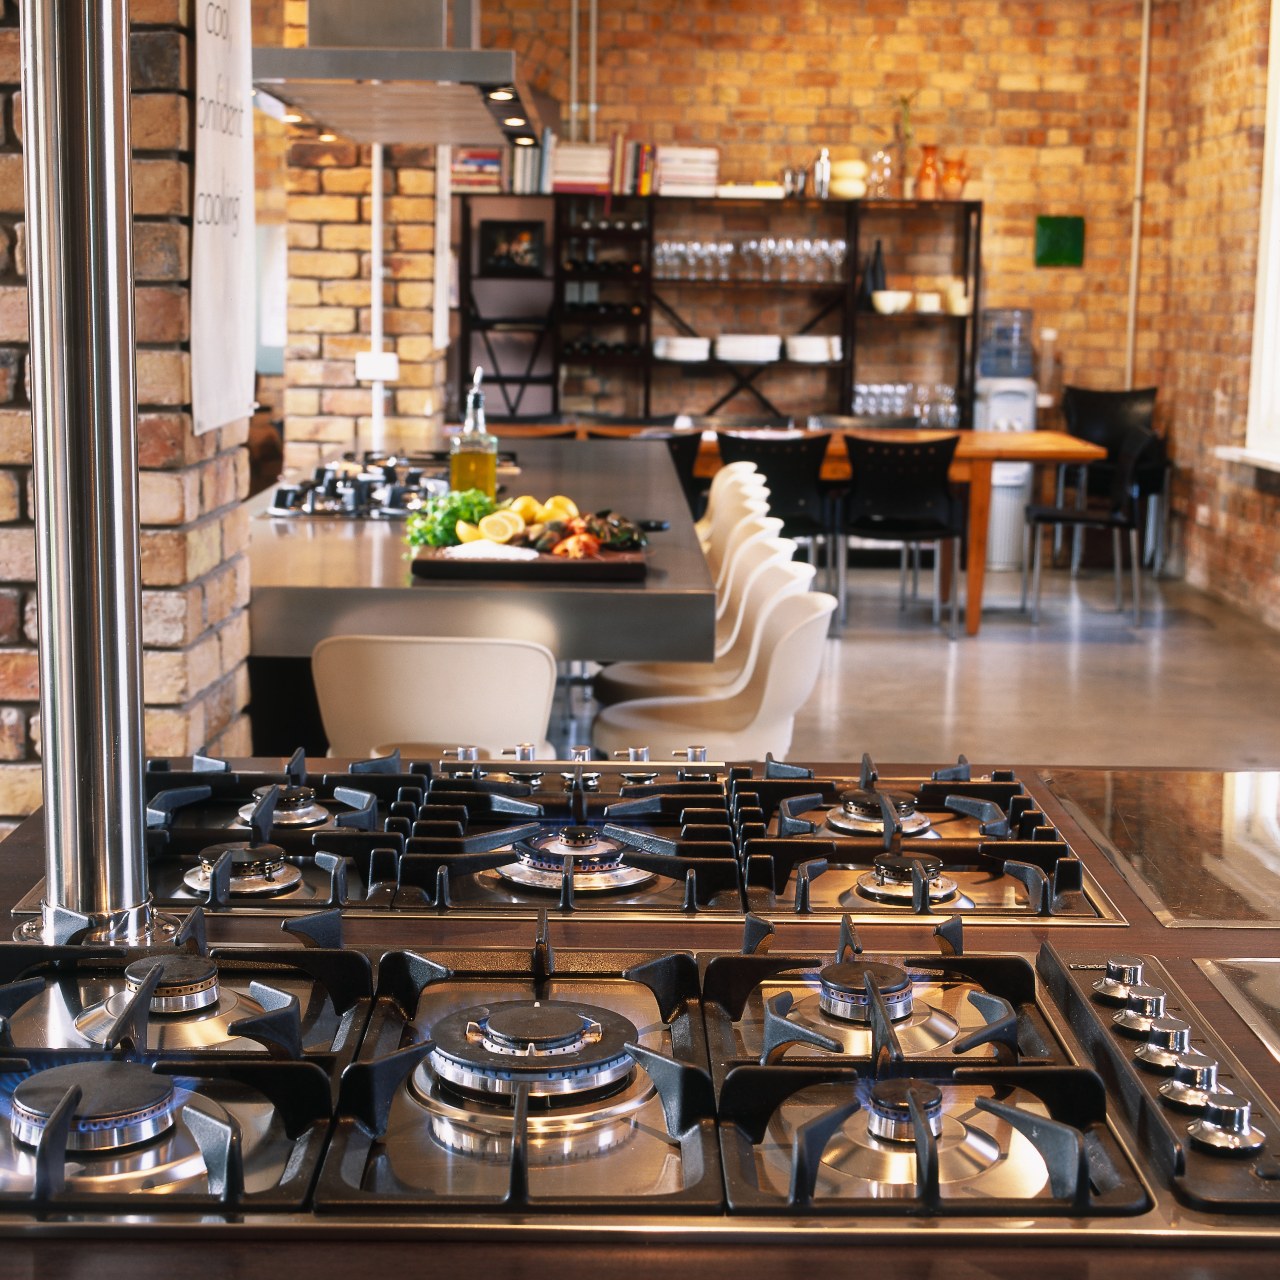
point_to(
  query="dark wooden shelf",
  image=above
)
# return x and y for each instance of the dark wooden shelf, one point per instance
(811, 304)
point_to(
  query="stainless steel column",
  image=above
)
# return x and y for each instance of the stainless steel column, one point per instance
(75, 111)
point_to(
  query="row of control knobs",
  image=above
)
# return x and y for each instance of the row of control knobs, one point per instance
(1223, 1121)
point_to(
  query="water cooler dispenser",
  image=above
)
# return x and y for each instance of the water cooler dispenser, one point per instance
(1005, 400)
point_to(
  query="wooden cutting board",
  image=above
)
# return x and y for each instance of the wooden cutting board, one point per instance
(609, 566)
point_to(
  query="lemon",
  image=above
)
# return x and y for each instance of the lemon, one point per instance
(526, 506)
(467, 532)
(501, 526)
(566, 507)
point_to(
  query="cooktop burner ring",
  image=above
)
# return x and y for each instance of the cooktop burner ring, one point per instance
(859, 813)
(889, 1109)
(296, 806)
(597, 863)
(121, 1104)
(845, 995)
(891, 880)
(557, 1048)
(257, 871)
(187, 982)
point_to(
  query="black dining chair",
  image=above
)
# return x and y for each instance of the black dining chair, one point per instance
(1102, 418)
(900, 491)
(791, 465)
(1122, 514)
(683, 447)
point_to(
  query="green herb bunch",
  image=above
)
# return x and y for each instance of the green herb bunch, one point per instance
(436, 524)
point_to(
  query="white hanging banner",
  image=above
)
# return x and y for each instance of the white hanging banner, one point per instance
(222, 239)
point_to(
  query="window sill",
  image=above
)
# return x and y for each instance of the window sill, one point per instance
(1259, 458)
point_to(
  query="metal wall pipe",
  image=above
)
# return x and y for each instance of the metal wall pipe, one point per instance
(75, 103)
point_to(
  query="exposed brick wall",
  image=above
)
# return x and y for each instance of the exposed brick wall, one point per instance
(1039, 98)
(194, 570)
(1217, 117)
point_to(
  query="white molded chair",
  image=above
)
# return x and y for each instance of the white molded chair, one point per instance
(730, 672)
(738, 505)
(751, 558)
(425, 694)
(758, 719)
(748, 529)
(735, 475)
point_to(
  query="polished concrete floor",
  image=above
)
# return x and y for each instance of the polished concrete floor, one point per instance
(1198, 684)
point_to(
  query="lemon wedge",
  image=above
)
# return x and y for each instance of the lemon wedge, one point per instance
(467, 532)
(501, 526)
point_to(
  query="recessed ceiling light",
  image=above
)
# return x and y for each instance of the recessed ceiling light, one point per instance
(292, 117)
(514, 122)
(524, 142)
(502, 95)
(328, 137)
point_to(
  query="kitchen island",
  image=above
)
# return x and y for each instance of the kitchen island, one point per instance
(313, 577)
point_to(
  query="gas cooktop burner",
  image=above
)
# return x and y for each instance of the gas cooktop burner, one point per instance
(596, 861)
(559, 1049)
(860, 813)
(295, 807)
(891, 879)
(845, 990)
(257, 870)
(889, 1109)
(979, 1156)
(121, 1104)
(189, 1008)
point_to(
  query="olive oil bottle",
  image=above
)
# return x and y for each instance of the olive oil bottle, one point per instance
(473, 457)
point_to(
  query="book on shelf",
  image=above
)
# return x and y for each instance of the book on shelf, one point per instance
(582, 167)
(477, 168)
(687, 171)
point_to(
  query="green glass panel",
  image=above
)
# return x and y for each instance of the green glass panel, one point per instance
(1059, 241)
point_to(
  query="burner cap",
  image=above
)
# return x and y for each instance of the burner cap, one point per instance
(121, 1104)
(864, 803)
(844, 990)
(534, 1027)
(597, 862)
(891, 879)
(295, 807)
(257, 870)
(860, 813)
(558, 1048)
(186, 982)
(889, 1108)
(897, 868)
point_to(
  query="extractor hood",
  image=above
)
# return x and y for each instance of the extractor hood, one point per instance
(398, 71)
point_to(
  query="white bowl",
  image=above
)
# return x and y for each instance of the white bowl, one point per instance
(929, 303)
(848, 188)
(889, 302)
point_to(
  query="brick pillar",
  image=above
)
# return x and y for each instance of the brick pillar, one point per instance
(326, 410)
(195, 578)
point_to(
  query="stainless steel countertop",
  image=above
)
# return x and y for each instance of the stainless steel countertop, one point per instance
(312, 578)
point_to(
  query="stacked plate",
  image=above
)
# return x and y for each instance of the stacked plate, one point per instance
(748, 348)
(679, 347)
(815, 348)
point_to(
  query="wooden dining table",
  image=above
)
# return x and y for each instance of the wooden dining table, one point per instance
(976, 454)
